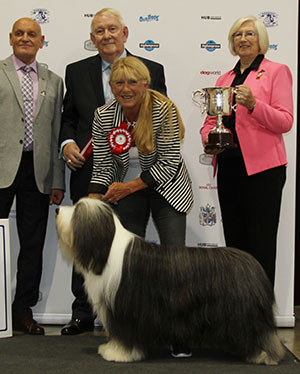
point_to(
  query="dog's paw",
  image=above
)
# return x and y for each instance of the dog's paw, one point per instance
(272, 353)
(262, 359)
(112, 351)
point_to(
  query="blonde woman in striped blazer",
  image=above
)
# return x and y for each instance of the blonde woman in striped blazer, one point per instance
(150, 177)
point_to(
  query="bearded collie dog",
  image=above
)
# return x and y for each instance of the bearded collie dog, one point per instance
(149, 295)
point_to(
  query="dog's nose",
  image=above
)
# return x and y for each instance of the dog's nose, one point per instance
(57, 211)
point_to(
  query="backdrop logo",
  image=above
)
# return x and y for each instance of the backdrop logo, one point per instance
(205, 159)
(40, 15)
(270, 19)
(207, 215)
(210, 45)
(148, 18)
(208, 245)
(149, 45)
(274, 47)
(211, 18)
(208, 186)
(210, 72)
(88, 15)
(89, 46)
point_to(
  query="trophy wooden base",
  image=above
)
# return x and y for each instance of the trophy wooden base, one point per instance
(218, 142)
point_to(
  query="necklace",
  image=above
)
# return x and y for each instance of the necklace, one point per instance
(131, 125)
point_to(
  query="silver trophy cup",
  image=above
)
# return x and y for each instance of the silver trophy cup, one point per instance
(216, 101)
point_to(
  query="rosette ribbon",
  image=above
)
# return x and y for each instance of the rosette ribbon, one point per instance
(120, 139)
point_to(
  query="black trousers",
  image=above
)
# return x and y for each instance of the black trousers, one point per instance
(134, 211)
(32, 209)
(250, 207)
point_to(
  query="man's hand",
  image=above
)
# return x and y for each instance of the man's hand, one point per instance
(56, 196)
(72, 156)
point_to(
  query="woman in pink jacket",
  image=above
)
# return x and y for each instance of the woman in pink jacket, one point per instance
(251, 177)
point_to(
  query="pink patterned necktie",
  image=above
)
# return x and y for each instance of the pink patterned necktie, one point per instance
(27, 92)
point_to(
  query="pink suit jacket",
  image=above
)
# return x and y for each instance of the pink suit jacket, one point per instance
(260, 131)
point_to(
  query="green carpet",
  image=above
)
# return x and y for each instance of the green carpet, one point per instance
(78, 354)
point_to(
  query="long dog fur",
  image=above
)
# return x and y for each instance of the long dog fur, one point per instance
(149, 295)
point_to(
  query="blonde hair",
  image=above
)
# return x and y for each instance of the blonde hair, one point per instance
(108, 12)
(133, 68)
(263, 38)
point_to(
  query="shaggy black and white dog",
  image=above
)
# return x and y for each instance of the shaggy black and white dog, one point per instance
(149, 295)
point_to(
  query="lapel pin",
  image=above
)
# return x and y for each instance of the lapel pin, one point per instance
(259, 74)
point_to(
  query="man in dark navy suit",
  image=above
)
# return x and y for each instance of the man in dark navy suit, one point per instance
(87, 89)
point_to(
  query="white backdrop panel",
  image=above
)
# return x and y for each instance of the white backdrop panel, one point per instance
(176, 30)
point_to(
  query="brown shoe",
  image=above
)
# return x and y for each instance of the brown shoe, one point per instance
(29, 326)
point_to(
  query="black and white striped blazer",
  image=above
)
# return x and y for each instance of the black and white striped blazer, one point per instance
(165, 165)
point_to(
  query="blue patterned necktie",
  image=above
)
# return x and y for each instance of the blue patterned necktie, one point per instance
(27, 92)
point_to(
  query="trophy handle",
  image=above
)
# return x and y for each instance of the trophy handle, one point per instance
(233, 107)
(200, 103)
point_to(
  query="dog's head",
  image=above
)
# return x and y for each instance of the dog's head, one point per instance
(85, 233)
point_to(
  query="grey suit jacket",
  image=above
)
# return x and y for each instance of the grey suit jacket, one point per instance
(48, 168)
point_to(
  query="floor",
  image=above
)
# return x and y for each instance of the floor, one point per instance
(290, 336)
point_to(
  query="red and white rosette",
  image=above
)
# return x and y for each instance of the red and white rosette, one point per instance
(120, 139)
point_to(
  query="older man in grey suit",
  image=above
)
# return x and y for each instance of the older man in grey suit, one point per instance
(30, 169)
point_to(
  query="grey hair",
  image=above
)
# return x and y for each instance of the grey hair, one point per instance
(110, 12)
(263, 38)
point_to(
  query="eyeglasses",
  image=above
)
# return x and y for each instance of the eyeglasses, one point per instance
(247, 35)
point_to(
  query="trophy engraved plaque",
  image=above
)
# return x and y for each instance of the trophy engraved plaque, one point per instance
(216, 101)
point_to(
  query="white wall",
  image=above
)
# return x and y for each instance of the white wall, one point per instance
(178, 28)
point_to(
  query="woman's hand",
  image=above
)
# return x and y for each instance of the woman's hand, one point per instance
(245, 97)
(117, 191)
